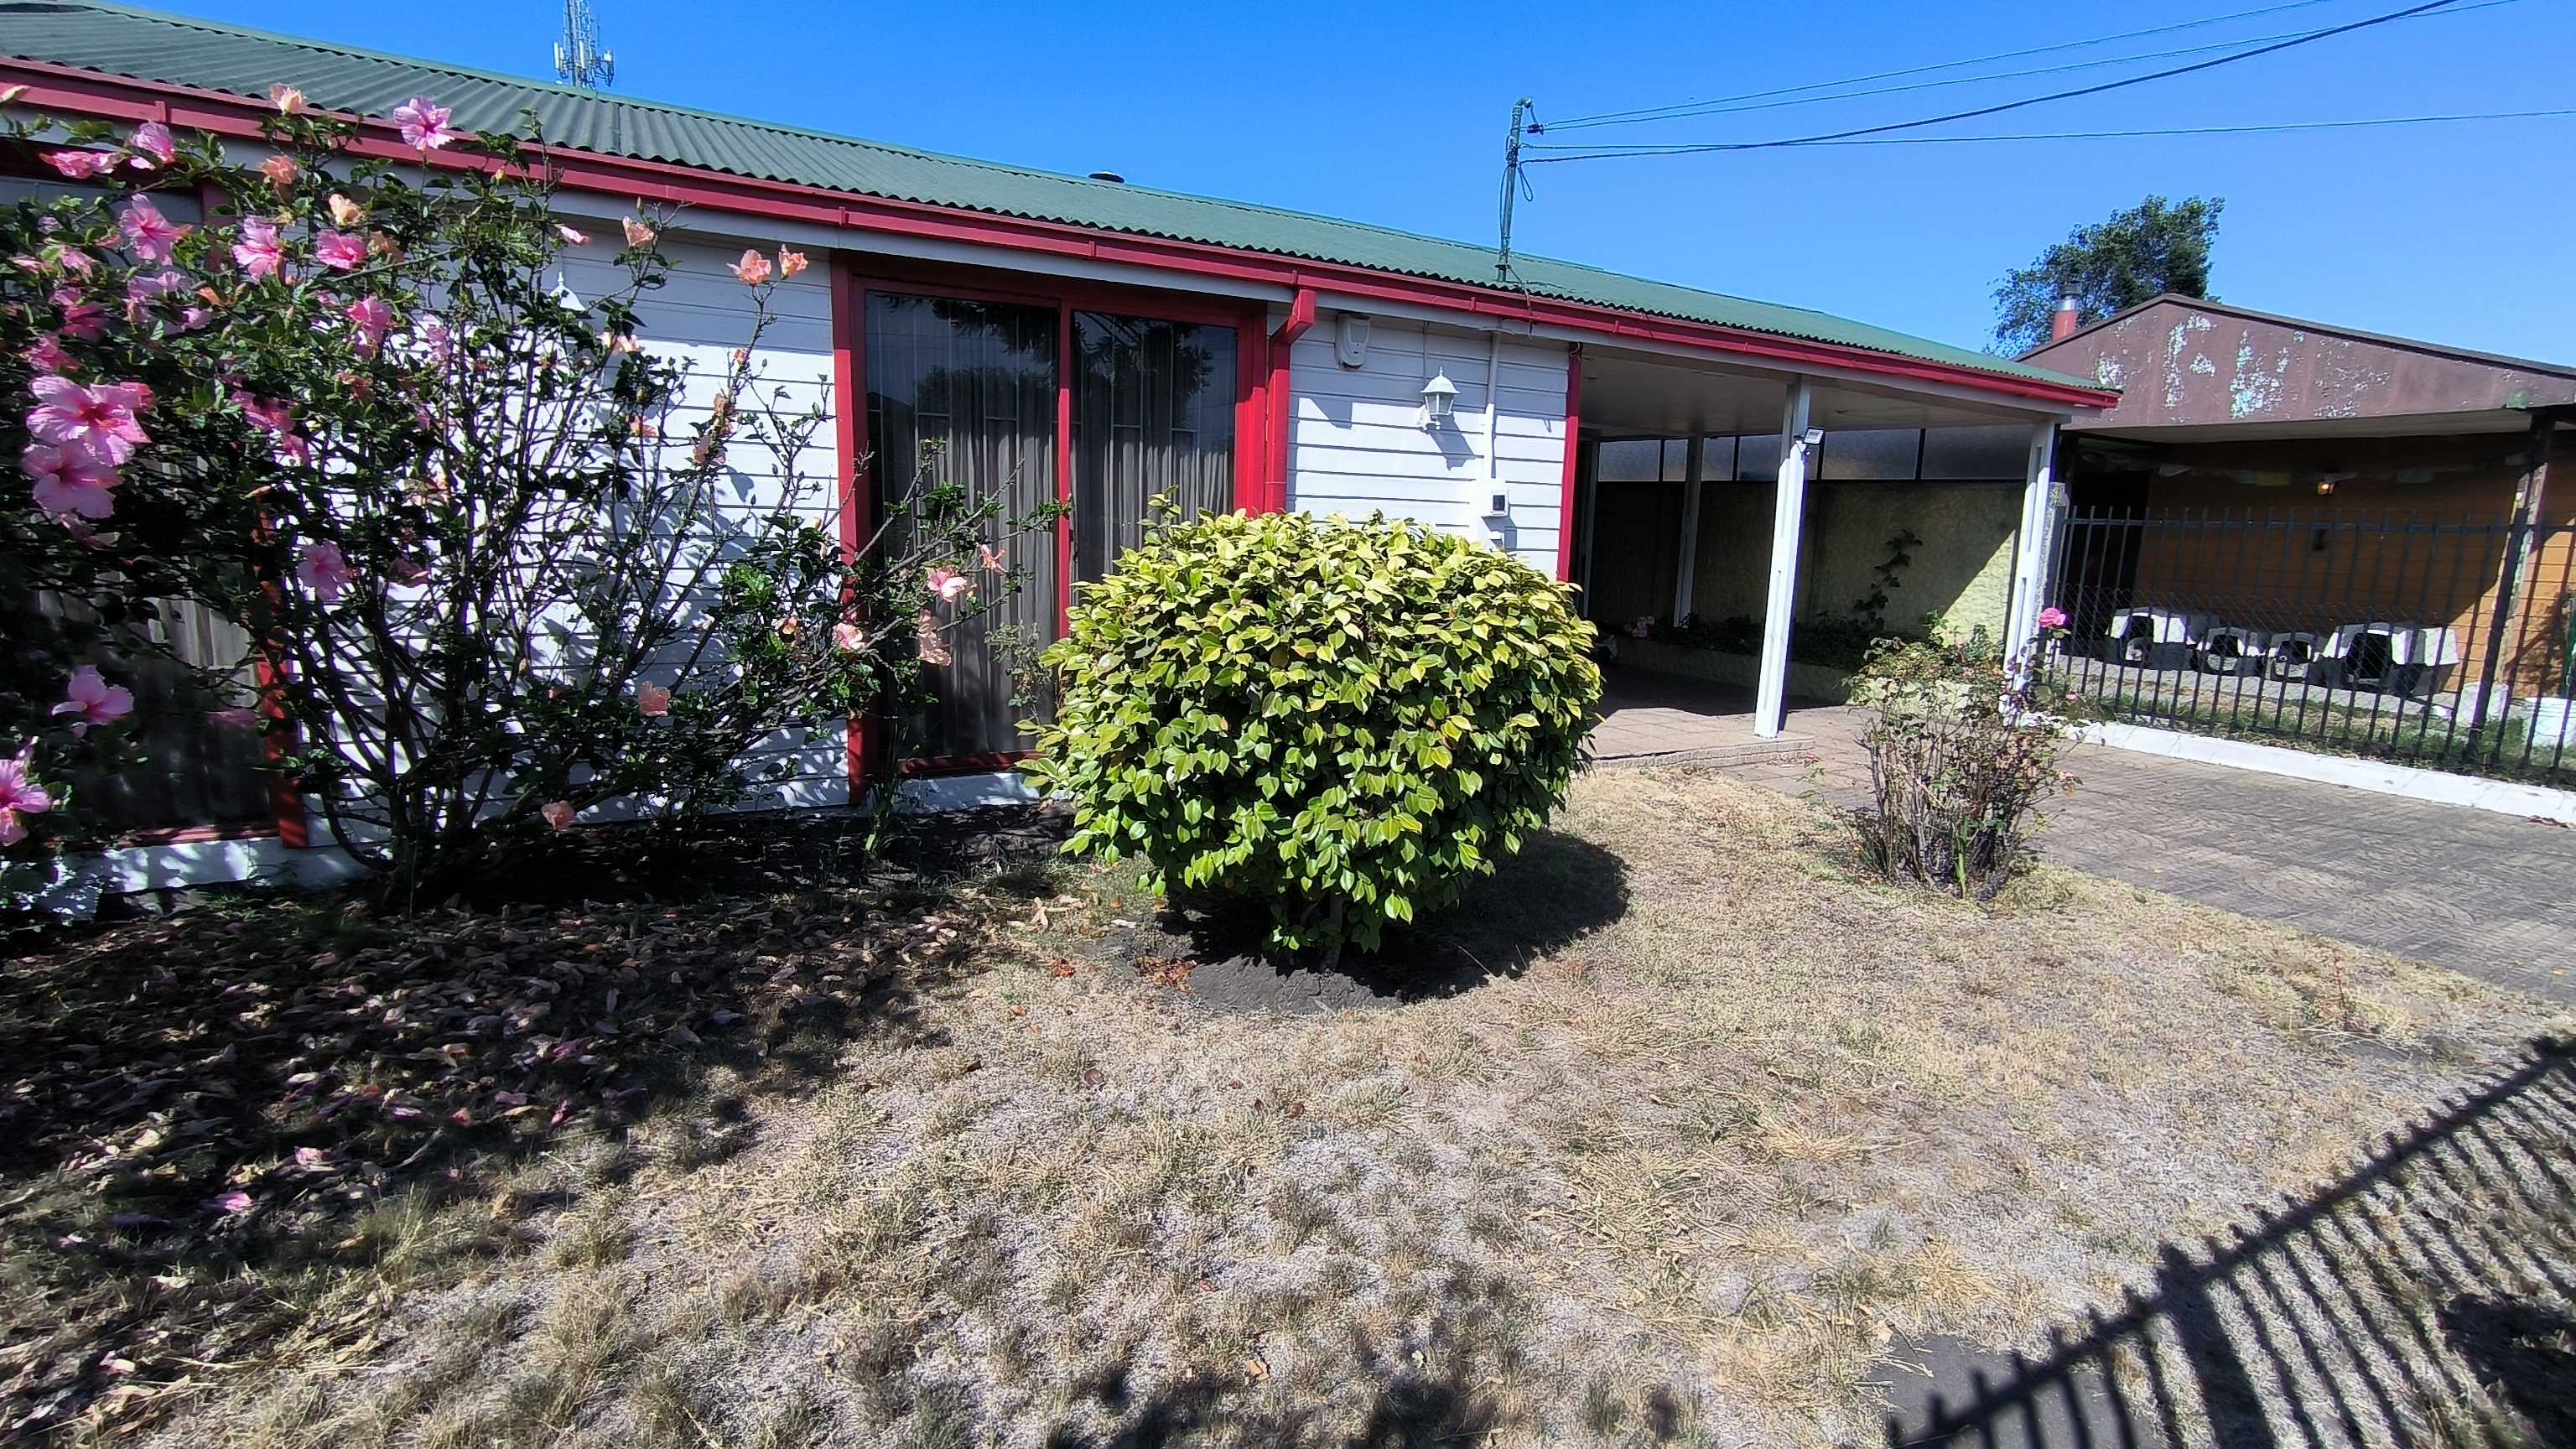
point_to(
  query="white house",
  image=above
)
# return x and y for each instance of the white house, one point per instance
(1124, 342)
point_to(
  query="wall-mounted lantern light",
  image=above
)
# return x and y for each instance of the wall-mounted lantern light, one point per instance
(1439, 395)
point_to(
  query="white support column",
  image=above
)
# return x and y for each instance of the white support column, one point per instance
(1688, 577)
(1788, 512)
(2030, 552)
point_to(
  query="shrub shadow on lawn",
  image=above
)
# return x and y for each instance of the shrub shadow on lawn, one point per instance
(1556, 891)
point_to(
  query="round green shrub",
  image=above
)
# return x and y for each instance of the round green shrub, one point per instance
(1342, 720)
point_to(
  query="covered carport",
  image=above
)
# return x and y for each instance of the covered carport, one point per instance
(1768, 498)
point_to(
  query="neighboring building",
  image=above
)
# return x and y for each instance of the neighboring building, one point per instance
(1125, 341)
(2419, 479)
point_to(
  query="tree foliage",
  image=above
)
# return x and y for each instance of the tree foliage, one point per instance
(502, 564)
(2149, 249)
(1339, 720)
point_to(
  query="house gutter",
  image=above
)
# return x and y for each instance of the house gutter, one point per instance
(68, 88)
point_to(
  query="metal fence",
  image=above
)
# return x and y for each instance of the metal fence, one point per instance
(2415, 637)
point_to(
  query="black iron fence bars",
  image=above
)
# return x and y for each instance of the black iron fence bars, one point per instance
(2407, 636)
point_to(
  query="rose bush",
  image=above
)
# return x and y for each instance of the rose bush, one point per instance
(494, 555)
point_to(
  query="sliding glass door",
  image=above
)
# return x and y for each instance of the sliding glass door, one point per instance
(965, 393)
(1026, 402)
(1153, 417)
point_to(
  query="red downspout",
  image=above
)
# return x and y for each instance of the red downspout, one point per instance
(1283, 397)
(1566, 513)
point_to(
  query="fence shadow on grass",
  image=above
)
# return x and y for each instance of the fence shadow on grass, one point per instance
(2426, 1297)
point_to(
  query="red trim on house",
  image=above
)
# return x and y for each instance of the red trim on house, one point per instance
(1566, 514)
(64, 88)
(1282, 423)
(202, 834)
(850, 436)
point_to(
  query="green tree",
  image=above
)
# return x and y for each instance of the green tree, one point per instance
(2154, 247)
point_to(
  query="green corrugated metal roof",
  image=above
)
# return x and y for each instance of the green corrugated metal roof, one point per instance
(149, 45)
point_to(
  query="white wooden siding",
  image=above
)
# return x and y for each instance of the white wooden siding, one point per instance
(1358, 445)
(698, 318)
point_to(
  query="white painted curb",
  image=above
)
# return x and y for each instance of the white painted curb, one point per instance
(2378, 776)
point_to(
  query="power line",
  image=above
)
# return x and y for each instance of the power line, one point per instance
(2307, 38)
(1613, 118)
(2245, 130)
(1725, 107)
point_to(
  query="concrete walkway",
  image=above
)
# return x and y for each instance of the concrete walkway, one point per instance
(2490, 896)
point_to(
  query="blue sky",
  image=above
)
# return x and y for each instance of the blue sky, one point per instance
(1395, 115)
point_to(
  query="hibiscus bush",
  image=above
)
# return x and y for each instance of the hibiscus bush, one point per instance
(502, 566)
(1342, 721)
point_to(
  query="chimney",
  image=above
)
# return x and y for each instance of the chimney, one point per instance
(2065, 321)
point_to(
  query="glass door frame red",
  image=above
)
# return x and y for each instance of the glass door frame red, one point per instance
(853, 277)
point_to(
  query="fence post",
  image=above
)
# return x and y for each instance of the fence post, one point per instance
(2526, 514)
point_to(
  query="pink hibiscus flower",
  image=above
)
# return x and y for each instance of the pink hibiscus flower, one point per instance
(424, 123)
(281, 172)
(152, 236)
(753, 269)
(437, 336)
(321, 569)
(48, 355)
(99, 419)
(558, 813)
(19, 797)
(571, 237)
(83, 319)
(790, 263)
(259, 252)
(652, 701)
(373, 319)
(340, 251)
(153, 146)
(144, 288)
(950, 585)
(70, 482)
(81, 165)
(926, 643)
(269, 415)
(846, 637)
(94, 700)
(637, 233)
(992, 558)
(288, 100)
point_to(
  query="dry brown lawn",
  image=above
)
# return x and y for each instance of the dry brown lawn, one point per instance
(1694, 1128)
